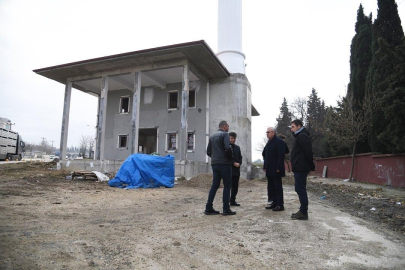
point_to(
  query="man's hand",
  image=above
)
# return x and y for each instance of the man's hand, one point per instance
(277, 170)
(237, 165)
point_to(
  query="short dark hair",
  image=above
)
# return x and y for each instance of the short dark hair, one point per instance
(222, 124)
(232, 134)
(297, 122)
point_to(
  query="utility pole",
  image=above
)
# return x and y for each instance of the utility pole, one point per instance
(52, 150)
(43, 143)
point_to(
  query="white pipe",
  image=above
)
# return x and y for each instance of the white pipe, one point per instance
(207, 120)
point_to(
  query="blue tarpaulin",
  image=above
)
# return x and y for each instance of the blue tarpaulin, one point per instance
(145, 171)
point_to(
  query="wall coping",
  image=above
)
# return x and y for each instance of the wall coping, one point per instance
(372, 154)
(349, 156)
(388, 155)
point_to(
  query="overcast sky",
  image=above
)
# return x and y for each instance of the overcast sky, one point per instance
(290, 47)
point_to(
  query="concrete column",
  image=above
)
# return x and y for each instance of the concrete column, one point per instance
(97, 142)
(136, 98)
(102, 113)
(65, 120)
(207, 120)
(184, 114)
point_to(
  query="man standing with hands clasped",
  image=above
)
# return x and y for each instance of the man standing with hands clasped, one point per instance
(273, 156)
(236, 163)
(302, 163)
(220, 151)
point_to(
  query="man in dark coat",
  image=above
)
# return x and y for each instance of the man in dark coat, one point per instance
(220, 151)
(236, 163)
(302, 163)
(273, 156)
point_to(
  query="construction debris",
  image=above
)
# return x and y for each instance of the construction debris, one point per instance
(88, 174)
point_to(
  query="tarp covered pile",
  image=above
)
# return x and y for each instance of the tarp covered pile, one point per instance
(145, 171)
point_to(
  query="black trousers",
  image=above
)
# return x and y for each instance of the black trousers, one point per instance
(301, 189)
(225, 172)
(235, 186)
(275, 190)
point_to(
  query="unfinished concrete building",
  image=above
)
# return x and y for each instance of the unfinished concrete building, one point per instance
(166, 100)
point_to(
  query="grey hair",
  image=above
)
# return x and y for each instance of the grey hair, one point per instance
(272, 129)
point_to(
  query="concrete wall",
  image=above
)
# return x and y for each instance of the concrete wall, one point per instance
(154, 113)
(116, 124)
(230, 100)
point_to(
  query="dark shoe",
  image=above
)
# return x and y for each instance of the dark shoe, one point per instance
(300, 216)
(271, 206)
(235, 204)
(211, 212)
(293, 214)
(228, 213)
(278, 208)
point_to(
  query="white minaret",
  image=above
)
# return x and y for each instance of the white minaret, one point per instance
(230, 35)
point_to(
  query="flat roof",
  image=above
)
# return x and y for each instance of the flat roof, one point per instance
(197, 52)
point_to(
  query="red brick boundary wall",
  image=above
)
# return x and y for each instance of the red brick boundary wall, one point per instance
(369, 168)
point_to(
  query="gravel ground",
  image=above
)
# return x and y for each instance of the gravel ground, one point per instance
(49, 222)
(378, 204)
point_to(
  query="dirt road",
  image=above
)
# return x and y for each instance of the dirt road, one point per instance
(48, 222)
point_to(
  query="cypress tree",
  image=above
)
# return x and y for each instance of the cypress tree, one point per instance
(386, 81)
(360, 59)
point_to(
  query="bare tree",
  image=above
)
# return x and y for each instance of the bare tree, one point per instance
(346, 126)
(44, 145)
(83, 143)
(92, 143)
(261, 144)
(299, 108)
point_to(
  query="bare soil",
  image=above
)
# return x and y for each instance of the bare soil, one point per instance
(49, 222)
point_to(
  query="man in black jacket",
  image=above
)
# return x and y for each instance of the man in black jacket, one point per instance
(273, 156)
(236, 163)
(220, 151)
(302, 163)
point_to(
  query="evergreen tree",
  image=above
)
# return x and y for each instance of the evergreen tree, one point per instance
(316, 112)
(283, 122)
(386, 81)
(284, 119)
(360, 58)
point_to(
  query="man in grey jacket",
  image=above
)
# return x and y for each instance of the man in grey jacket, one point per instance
(220, 151)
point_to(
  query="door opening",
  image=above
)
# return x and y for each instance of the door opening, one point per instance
(147, 140)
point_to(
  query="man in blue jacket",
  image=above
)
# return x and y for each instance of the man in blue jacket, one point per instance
(220, 151)
(302, 163)
(273, 156)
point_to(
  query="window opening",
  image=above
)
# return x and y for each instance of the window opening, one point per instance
(124, 105)
(191, 99)
(122, 141)
(171, 141)
(190, 141)
(173, 97)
